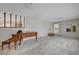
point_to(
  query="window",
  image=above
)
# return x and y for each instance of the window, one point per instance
(13, 21)
(1, 19)
(8, 20)
(19, 24)
(23, 21)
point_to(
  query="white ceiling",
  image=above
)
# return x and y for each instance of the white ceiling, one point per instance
(46, 11)
(12, 7)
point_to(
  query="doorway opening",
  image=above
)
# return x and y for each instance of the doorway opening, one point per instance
(56, 28)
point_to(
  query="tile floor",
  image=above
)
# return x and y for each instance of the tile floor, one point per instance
(56, 45)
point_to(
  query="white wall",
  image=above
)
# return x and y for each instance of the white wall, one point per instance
(40, 26)
(64, 24)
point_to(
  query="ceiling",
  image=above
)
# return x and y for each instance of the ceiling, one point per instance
(12, 7)
(46, 11)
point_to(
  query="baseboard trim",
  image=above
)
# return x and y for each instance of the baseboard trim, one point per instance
(68, 36)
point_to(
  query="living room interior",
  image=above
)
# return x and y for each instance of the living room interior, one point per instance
(44, 28)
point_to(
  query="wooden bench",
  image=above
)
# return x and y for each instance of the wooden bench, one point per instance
(6, 42)
(18, 38)
(15, 38)
(30, 34)
(51, 34)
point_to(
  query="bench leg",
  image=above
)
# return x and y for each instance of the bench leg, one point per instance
(9, 45)
(15, 43)
(20, 42)
(2, 46)
(36, 37)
